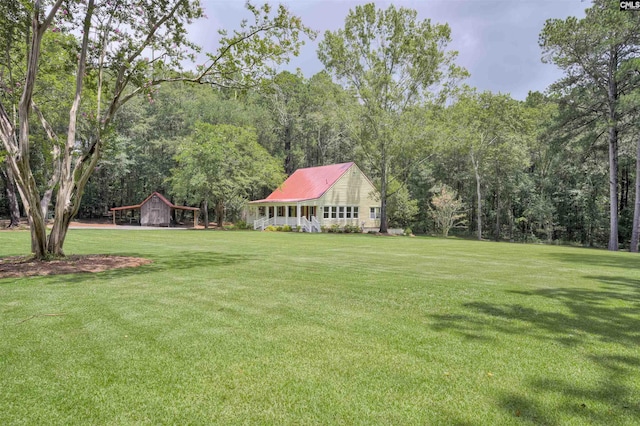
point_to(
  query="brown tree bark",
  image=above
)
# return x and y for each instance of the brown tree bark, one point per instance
(635, 234)
(612, 92)
(205, 211)
(220, 214)
(12, 197)
(383, 197)
(476, 170)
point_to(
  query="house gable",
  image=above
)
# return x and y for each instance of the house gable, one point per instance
(353, 188)
(159, 197)
(308, 184)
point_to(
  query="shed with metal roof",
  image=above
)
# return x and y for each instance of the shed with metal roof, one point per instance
(156, 210)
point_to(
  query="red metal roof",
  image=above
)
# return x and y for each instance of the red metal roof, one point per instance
(307, 184)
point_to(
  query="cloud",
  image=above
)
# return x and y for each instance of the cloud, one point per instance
(497, 40)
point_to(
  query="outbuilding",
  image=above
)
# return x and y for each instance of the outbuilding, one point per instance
(156, 210)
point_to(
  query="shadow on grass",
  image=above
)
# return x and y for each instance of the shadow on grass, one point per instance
(598, 258)
(608, 315)
(182, 261)
(579, 401)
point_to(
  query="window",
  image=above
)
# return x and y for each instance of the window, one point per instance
(334, 212)
(348, 213)
(374, 213)
(341, 212)
(261, 211)
(327, 209)
(292, 211)
(355, 212)
(281, 211)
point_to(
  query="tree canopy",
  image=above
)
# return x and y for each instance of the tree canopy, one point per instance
(599, 57)
(123, 49)
(217, 164)
(393, 62)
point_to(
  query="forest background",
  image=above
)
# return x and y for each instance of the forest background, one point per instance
(560, 166)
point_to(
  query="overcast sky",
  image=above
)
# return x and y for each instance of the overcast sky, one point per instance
(497, 40)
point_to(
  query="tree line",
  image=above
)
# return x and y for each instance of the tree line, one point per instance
(559, 166)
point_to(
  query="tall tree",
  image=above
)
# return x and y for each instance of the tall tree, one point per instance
(220, 162)
(393, 62)
(632, 101)
(592, 52)
(286, 93)
(14, 24)
(635, 231)
(535, 207)
(488, 129)
(114, 40)
(325, 128)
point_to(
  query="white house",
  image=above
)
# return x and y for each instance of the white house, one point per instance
(320, 196)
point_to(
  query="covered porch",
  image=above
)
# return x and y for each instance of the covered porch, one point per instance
(298, 215)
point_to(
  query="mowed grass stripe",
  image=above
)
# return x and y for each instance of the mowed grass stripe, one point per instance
(265, 328)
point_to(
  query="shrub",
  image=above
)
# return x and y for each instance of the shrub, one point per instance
(335, 229)
(285, 228)
(407, 232)
(352, 229)
(241, 224)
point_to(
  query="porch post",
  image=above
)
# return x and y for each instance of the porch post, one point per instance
(298, 214)
(286, 215)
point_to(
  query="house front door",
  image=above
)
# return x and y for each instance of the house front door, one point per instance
(308, 211)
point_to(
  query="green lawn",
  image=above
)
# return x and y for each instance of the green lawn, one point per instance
(277, 328)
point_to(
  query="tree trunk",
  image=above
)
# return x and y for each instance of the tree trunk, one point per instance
(478, 194)
(12, 197)
(625, 184)
(635, 233)
(612, 92)
(613, 189)
(58, 234)
(38, 230)
(383, 198)
(220, 214)
(498, 224)
(511, 222)
(288, 160)
(205, 211)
